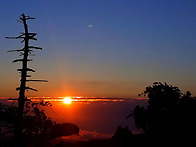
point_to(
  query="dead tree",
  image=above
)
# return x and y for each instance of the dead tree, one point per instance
(24, 52)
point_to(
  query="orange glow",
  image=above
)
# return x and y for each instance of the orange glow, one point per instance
(67, 100)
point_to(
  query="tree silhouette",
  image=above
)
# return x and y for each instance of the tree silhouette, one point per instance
(169, 112)
(24, 52)
(26, 123)
(122, 134)
(122, 137)
(36, 125)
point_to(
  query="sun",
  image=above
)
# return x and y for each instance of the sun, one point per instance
(67, 100)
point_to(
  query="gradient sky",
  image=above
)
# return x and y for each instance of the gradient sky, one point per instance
(111, 48)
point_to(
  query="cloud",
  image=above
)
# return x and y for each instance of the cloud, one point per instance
(90, 26)
(83, 136)
(90, 135)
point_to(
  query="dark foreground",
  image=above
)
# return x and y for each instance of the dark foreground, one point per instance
(134, 141)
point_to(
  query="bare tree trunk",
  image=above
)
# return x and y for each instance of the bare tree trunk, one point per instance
(26, 36)
(21, 99)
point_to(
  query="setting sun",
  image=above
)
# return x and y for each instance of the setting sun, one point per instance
(67, 100)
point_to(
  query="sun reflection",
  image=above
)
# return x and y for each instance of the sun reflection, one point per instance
(67, 100)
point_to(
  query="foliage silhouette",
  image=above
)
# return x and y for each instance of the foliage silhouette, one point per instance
(35, 121)
(169, 112)
(122, 136)
(122, 133)
(37, 127)
(64, 129)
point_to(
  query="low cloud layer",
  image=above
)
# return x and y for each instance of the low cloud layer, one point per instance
(83, 136)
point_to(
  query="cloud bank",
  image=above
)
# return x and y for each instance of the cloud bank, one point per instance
(83, 136)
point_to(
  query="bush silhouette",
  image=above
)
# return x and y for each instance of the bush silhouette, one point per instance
(122, 133)
(37, 127)
(36, 123)
(122, 136)
(64, 129)
(169, 112)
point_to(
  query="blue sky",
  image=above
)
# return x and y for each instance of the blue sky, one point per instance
(131, 44)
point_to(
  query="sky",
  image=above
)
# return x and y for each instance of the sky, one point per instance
(101, 48)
